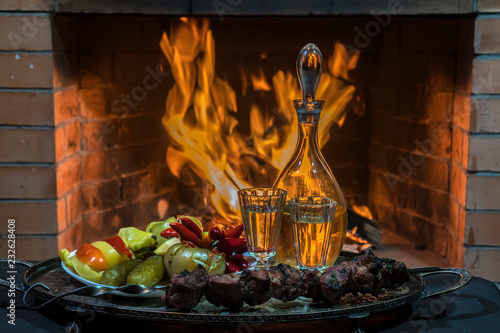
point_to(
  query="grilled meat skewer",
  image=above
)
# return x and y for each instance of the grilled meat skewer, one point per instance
(366, 273)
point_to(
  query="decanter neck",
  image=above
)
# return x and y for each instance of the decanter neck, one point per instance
(308, 117)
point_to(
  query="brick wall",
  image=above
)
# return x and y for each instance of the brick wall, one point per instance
(76, 161)
(434, 157)
(37, 131)
(476, 162)
(410, 150)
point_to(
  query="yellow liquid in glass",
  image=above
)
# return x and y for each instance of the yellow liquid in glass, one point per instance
(285, 252)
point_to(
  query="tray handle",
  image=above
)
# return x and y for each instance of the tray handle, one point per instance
(6, 283)
(465, 277)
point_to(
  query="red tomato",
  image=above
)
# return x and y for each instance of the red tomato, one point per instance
(92, 256)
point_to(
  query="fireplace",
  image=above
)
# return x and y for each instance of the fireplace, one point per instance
(86, 83)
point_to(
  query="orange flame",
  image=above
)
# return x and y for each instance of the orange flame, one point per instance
(203, 133)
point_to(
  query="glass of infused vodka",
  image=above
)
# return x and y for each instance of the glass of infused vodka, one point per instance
(312, 220)
(262, 212)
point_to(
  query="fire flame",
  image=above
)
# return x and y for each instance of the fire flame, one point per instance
(202, 131)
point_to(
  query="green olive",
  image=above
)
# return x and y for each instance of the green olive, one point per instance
(188, 258)
(179, 257)
(216, 264)
(167, 258)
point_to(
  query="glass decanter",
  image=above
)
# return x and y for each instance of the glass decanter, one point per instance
(307, 173)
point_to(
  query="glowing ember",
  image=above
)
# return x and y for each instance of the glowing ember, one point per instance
(202, 131)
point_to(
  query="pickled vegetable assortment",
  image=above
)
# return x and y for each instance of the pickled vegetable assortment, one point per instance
(152, 255)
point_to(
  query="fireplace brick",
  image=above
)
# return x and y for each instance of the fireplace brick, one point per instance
(93, 103)
(116, 35)
(59, 144)
(98, 166)
(27, 108)
(481, 189)
(100, 134)
(460, 147)
(422, 231)
(481, 228)
(28, 182)
(34, 247)
(408, 135)
(422, 201)
(74, 205)
(484, 153)
(107, 223)
(101, 195)
(426, 105)
(385, 98)
(65, 105)
(457, 220)
(26, 5)
(26, 213)
(145, 184)
(27, 145)
(133, 128)
(71, 138)
(415, 36)
(462, 111)
(62, 214)
(427, 170)
(95, 70)
(29, 71)
(486, 39)
(68, 174)
(484, 262)
(484, 116)
(489, 6)
(25, 32)
(455, 251)
(486, 76)
(134, 67)
(458, 183)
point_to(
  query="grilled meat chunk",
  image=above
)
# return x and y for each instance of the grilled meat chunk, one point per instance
(310, 282)
(186, 288)
(366, 276)
(335, 281)
(286, 282)
(225, 290)
(394, 273)
(255, 286)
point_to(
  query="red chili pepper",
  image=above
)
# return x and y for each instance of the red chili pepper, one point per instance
(234, 232)
(216, 233)
(169, 233)
(119, 245)
(230, 245)
(240, 260)
(185, 233)
(243, 249)
(231, 267)
(193, 227)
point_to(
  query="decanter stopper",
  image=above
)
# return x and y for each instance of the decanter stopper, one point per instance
(309, 70)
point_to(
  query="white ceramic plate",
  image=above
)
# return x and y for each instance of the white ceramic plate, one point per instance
(72, 272)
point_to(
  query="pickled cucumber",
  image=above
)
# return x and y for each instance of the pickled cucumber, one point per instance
(117, 274)
(149, 273)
